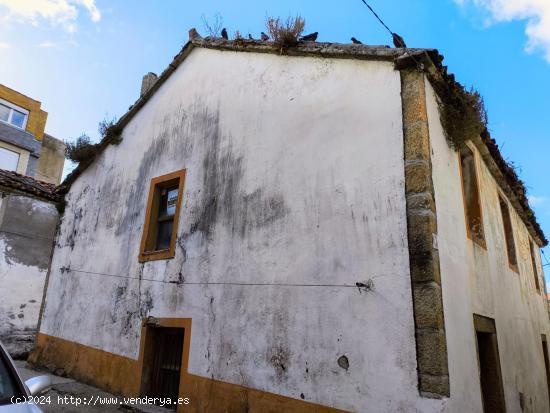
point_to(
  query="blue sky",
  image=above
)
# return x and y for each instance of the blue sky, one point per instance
(84, 59)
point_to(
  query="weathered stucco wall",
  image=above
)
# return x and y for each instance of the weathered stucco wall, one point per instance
(52, 158)
(294, 177)
(479, 281)
(27, 228)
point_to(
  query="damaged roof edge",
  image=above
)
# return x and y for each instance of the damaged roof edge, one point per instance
(503, 173)
(26, 185)
(403, 58)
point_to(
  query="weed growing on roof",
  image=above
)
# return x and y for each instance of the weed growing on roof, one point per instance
(463, 114)
(287, 33)
(83, 150)
(80, 150)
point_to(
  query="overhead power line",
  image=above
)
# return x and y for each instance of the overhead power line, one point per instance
(378, 17)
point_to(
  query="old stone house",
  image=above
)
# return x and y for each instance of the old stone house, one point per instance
(286, 230)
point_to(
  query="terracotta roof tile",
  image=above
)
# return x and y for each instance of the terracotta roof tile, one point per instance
(28, 185)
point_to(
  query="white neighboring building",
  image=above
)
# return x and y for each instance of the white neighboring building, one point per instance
(292, 232)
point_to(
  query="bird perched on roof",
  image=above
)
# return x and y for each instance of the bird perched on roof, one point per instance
(398, 41)
(355, 41)
(224, 34)
(264, 37)
(250, 37)
(194, 34)
(309, 37)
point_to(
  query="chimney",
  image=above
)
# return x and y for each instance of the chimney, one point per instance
(147, 83)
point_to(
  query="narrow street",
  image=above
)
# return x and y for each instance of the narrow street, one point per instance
(69, 396)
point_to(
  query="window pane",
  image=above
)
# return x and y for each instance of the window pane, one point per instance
(171, 204)
(8, 388)
(8, 159)
(164, 235)
(4, 113)
(168, 198)
(18, 119)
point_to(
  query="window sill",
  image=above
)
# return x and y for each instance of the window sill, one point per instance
(479, 242)
(156, 255)
(514, 268)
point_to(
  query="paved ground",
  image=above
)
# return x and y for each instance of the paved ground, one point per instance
(69, 396)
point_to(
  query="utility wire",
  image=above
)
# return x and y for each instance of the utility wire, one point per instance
(395, 36)
(377, 16)
(66, 269)
(545, 259)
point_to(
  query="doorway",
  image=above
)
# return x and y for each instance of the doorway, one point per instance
(490, 375)
(546, 362)
(162, 362)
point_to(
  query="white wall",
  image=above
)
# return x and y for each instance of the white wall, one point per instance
(304, 158)
(27, 227)
(480, 281)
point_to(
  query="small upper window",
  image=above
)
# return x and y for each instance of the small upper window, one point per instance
(12, 114)
(8, 159)
(472, 204)
(534, 264)
(161, 218)
(508, 234)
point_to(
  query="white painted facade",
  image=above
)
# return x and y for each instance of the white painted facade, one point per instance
(302, 158)
(479, 281)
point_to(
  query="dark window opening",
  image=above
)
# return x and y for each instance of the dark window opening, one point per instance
(490, 376)
(162, 363)
(534, 265)
(546, 363)
(165, 219)
(161, 217)
(508, 234)
(472, 204)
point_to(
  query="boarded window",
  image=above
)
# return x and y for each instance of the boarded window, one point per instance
(161, 218)
(508, 234)
(534, 265)
(472, 205)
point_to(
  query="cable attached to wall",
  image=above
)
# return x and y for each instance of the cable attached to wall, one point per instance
(363, 286)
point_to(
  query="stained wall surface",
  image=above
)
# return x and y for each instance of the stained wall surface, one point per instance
(478, 280)
(294, 192)
(27, 228)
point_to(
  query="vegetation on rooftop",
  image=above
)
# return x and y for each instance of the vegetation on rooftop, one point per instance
(285, 33)
(462, 111)
(82, 150)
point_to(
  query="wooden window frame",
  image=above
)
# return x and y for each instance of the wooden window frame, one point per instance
(150, 216)
(508, 238)
(478, 241)
(534, 265)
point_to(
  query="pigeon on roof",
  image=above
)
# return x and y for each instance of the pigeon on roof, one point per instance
(194, 34)
(309, 37)
(398, 41)
(264, 37)
(355, 41)
(224, 34)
